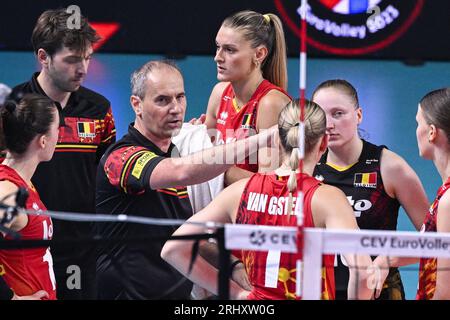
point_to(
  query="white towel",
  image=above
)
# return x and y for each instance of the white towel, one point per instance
(193, 138)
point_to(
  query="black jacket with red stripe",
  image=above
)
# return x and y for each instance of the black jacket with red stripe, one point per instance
(67, 181)
(131, 270)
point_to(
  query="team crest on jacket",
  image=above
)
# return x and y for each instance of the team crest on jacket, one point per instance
(365, 180)
(86, 129)
(351, 27)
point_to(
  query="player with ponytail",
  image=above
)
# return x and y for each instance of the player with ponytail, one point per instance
(270, 199)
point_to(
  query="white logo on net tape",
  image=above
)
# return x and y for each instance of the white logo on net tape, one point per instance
(401, 243)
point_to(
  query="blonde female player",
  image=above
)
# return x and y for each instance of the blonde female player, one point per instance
(251, 68)
(269, 199)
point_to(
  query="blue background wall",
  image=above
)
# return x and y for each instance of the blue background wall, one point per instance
(389, 93)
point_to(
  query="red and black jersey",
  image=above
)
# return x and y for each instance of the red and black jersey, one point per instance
(67, 181)
(29, 270)
(264, 201)
(235, 123)
(428, 266)
(136, 270)
(363, 185)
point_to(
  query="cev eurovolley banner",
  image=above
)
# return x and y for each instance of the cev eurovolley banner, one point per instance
(373, 242)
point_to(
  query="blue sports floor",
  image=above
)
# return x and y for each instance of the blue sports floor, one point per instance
(389, 93)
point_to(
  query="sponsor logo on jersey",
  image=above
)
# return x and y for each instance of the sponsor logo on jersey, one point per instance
(141, 162)
(359, 206)
(86, 129)
(36, 208)
(365, 180)
(370, 161)
(351, 27)
(223, 117)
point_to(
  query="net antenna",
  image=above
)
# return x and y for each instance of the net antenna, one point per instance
(301, 148)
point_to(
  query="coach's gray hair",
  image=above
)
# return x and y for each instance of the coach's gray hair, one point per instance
(139, 76)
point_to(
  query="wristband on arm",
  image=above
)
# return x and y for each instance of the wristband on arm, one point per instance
(234, 264)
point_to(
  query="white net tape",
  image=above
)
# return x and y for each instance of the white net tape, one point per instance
(320, 241)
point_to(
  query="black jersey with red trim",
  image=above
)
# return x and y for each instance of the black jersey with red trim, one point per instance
(130, 270)
(67, 181)
(363, 185)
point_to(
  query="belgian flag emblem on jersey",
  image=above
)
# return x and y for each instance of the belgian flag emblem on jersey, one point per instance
(366, 180)
(86, 129)
(246, 121)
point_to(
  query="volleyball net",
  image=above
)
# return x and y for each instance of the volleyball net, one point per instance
(318, 242)
(274, 241)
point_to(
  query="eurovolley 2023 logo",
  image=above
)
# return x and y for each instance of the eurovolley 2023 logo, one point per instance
(351, 27)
